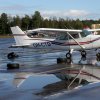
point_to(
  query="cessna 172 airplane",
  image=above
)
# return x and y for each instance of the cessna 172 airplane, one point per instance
(66, 39)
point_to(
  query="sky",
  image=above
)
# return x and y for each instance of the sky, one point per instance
(82, 9)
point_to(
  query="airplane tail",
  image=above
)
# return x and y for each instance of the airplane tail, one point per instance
(20, 37)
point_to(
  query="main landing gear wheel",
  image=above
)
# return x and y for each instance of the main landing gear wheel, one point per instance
(83, 54)
(68, 55)
(68, 58)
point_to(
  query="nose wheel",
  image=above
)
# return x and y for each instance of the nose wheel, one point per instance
(83, 54)
(68, 55)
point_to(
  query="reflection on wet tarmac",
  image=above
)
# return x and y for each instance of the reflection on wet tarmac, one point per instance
(21, 85)
(39, 85)
(46, 82)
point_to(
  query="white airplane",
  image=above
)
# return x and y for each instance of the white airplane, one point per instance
(66, 39)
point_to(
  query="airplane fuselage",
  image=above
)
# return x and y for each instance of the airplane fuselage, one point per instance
(66, 39)
(88, 42)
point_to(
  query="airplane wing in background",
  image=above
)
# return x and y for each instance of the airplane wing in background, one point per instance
(93, 30)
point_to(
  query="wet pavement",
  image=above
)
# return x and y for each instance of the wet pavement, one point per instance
(39, 77)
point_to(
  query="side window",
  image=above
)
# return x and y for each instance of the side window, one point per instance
(62, 36)
(75, 36)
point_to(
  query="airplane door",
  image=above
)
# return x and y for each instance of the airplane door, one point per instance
(86, 39)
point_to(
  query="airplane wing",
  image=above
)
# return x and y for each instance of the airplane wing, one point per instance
(60, 30)
(53, 30)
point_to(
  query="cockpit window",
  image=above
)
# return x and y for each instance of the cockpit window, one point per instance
(84, 33)
(62, 36)
(65, 36)
(75, 36)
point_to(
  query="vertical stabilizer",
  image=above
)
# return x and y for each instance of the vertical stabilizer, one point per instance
(20, 37)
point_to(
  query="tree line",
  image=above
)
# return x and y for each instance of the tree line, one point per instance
(37, 21)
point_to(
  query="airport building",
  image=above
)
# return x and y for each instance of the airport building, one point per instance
(95, 26)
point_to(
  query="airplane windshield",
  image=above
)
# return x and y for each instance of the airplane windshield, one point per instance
(84, 33)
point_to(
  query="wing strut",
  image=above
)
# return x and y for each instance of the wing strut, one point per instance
(75, 41)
